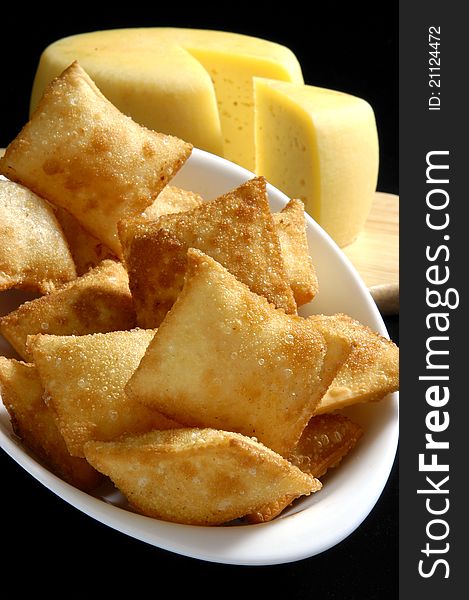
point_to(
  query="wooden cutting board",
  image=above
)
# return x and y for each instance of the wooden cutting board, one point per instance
(375, 253)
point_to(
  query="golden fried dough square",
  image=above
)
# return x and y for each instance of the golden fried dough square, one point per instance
(172, 200)
(225, 358)
(197, 476)
(84, 378)
(370, 372)
(323, 444)
(269, 511)
(87, 251)
(33, 250)
(80, 152)
(33, 422)
(236, 229)
(291, 229)
(97, 302)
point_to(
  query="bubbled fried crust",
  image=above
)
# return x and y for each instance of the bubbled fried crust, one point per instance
(85, 376)
(235, 229)
(268, 512)
(34, 254)
(172, 200)
(371, 371)
(98, 302)
(81, 153)
(87, 251)
(267, 370)
(291, 229)
(33, 421)
(197, 476)
(324, 443)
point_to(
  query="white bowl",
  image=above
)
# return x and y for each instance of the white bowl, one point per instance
(313, 524)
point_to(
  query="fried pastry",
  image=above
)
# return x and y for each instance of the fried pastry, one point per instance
(269, 511)
(291, 229)
(33, 422)
(34, 253)
(80, 152)
(236, 229)
(84, 378)
(323, 444)
(225, 358)
(370, 373)
(87, 251)
(97, 302)
(197, 476)
(172, 200)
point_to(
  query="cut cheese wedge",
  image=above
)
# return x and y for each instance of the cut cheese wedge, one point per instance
(232, 60)
(321, 146)
(194, 84)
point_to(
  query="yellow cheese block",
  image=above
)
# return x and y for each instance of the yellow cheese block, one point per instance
(195, 84)
(232, 60)
(320, 146)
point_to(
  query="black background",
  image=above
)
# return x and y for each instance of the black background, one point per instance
(44, 539)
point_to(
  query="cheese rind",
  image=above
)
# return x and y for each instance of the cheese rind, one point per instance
(320, 146)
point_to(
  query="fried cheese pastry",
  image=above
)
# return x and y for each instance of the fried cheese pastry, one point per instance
(84, 379)
(197, 476)
(34, 253)
(97, 302)
(80, 152)
(34, 423)
(225, 358)
(370, 373)
(269, 511)
(322, 445)
(172, 200)
(236, 229)
(291, 229)
(87, 251)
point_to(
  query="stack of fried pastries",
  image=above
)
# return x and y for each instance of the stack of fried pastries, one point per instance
(165, 350)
